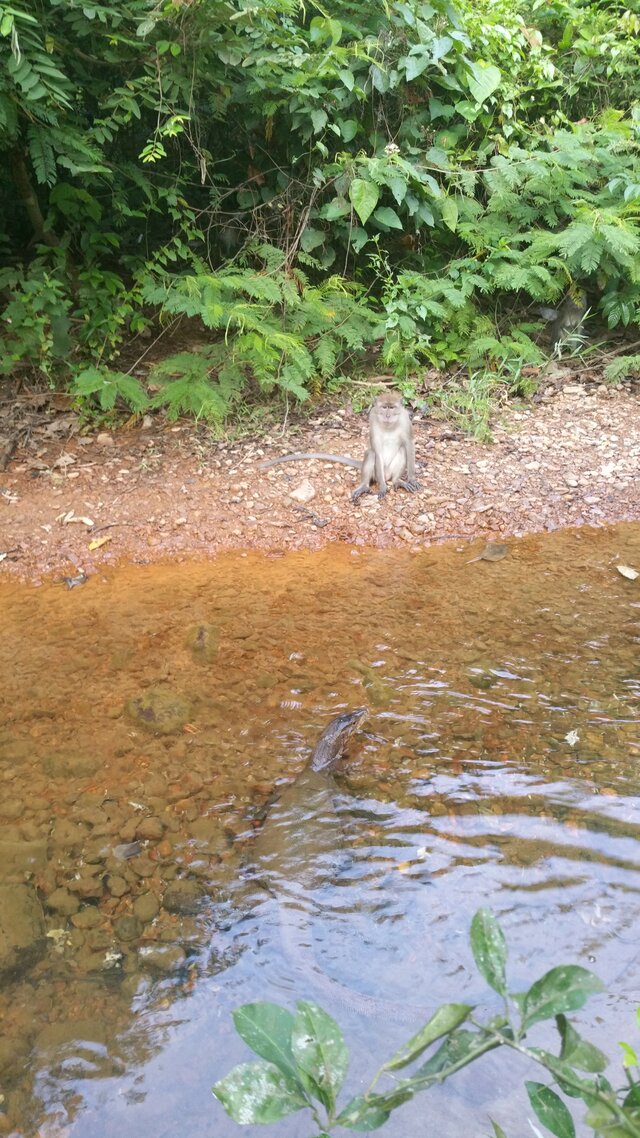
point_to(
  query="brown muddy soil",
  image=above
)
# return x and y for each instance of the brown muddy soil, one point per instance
(73, 502)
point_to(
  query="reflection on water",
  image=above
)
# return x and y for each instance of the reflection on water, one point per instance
(148, 717)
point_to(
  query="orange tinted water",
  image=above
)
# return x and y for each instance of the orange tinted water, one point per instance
(462, 789)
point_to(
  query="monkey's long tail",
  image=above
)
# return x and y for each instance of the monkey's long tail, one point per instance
(319, 455)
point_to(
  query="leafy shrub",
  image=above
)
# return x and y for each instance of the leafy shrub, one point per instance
(399, 173)
(303, 1057)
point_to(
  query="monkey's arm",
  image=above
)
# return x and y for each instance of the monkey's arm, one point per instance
(323, 457)
(410, 483)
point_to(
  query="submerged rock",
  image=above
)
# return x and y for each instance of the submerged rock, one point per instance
(160, 710)
(70, 764)
(146, 907)
(203, 641)
(162, 957)
(63, 902)
(14, 1053)
(127, 928)
(183, 897)
(150, 829)
(22, 930)
(20, 857)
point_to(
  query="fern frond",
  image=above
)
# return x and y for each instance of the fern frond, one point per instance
(621, 368)
(41, 154)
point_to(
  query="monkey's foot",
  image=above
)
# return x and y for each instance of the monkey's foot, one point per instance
(409, 484)
(382, 493)
(359, 492)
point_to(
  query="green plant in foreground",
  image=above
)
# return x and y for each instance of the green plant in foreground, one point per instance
(303, 1057)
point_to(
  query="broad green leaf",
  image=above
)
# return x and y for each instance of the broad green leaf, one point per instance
(562, 989)
(414, 65)
(319, 118)
(398, 187)
(364, 196)
(323, 28)
(551, 1110)
(446, 139)
(334, 27)
(437, 157)
(440, 47)
(379, 79)
(337, 207)
(311, 238)
(578, 1051)
(426, 215)
(348, 78)
(468, 110)
(319, 1050)
(387, 216)
(363, 1114)
(348, 128)
(449, 210)
(438, 109)
(144, 27)
(359, 238)
(266, 1029)
(487, 938)
(444, 1020)
(258, 1092)
(483, 80)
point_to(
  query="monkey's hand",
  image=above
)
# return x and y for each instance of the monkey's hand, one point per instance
(382, 492)
(409, 484)
(358, 493)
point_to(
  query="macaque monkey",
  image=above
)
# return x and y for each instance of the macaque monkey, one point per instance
(566, 320)
(390, 456)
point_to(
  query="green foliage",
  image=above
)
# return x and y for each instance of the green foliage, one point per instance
(303, 1057)
(34, 323)
(470, 401)
(306, 183)
(622, 367)
(274, 326)
(103, 387)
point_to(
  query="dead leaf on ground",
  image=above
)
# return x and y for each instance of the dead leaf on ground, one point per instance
(69, 517)
(493, 551)
(628, 572)
(98, 541)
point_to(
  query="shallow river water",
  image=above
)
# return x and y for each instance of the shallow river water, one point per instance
(148, 717)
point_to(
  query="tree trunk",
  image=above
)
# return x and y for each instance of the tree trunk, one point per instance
(29, 199)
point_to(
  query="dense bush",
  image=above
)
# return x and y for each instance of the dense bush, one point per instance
(313, 188)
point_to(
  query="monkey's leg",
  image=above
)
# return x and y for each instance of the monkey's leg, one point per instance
(378, 460)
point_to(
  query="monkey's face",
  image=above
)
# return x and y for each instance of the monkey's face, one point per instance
(388, 410)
